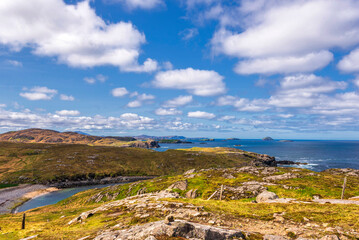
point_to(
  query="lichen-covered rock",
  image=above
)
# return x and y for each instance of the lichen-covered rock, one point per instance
(240, 192)
(181, 185)
(265, 196)
(191, 193)
(178, 228)
(274, 237)
(284, 176)
(191, 171)
(330, 237)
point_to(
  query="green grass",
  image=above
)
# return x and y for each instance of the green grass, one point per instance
(50, 222)
(44, 163)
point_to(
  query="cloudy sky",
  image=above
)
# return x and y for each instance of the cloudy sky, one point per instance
(247, 69)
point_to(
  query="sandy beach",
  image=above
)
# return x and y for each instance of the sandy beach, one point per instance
(10, 197)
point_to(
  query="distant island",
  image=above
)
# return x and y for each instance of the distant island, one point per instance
(267, 139)
(233, 139)
(174, 141)
(285, 141)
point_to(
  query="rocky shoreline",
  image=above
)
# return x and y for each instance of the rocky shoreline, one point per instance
(12, 197)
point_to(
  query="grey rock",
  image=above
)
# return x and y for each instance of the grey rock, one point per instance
(191, 193)
(265, 196)
(191, 171)
(181, 185)
(274, 237)
(178, 228)
(330, 237)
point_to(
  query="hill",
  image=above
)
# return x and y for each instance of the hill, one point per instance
(54, 163)
(37, 135)
(176, 207)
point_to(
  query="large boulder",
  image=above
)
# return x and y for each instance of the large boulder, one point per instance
(178, 228)
(265, 196)
(181, 185)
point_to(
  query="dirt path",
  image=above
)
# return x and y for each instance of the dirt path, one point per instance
(9, 197)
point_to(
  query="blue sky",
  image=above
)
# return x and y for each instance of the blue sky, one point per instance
(247, 69)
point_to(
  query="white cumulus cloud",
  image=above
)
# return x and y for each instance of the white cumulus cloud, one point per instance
(167, 112)
(119, 92)
(200, 114)
(298, 33)
(143, 4)
(178, 101)
(197, 82)
(350, 63)
(64, 97)
(72, 33)
(68, 113)
(38, 93)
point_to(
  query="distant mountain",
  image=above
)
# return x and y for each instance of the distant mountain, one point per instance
(83, 133)
(37, 135)
(144, 137)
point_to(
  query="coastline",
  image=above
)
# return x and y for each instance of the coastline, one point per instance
(12, 197)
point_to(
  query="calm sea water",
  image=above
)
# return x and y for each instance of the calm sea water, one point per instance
(319, 155)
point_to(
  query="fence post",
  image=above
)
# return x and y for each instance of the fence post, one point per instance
(23, 221)
(220, 196)
(344, 186)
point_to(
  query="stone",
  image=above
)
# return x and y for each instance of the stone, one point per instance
(330, 237)
(265, 196)
(228, 176)
(281, 177)
(191, 193)
(191, 171)
(274, 237)
(170, 219)
(181, 185)
(151, 238)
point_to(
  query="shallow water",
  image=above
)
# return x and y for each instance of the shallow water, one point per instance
(55, 197)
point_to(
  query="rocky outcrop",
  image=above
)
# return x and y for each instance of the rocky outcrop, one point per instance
(177, 228)
(191, 193)
(264, 160)
(181, 185)
(284, 176)
(341, 171)
(144, 144)
(265, 196)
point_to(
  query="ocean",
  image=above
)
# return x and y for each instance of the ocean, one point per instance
(318, 154)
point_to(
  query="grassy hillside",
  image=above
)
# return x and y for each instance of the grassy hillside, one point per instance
(43, 163)
(312, 219)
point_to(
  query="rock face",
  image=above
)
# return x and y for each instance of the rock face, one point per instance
(265, 196)
(146, 144)
(264, 160)
(178, 228)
